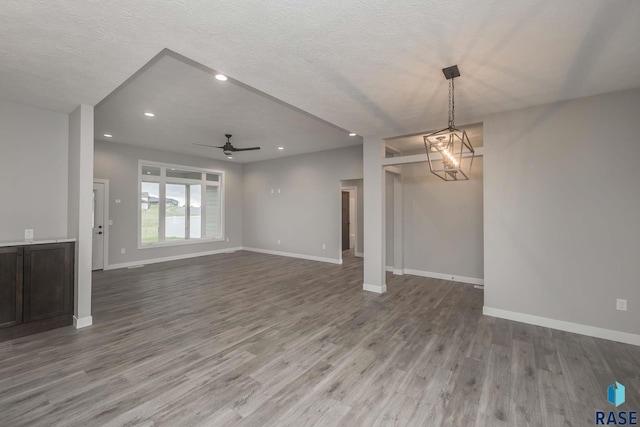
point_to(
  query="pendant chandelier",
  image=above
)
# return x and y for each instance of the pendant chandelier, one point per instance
(447, 147)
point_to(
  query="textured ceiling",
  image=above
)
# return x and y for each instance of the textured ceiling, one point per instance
(370, 66)
(191, 107)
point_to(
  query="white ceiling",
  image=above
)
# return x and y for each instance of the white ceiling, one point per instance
(191, 106)
(371, 66)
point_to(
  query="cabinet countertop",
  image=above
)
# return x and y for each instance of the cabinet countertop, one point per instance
(35, 242)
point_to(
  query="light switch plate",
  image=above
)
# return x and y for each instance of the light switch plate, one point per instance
(28, 234)
(621, 304)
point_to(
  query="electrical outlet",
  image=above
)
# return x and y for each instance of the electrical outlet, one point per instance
(278, 241)
(272, 191)
(227, 239)
(117, 200)
(324, 246)
(621, 304)
(28, 234)
(278, 191)
(123, 250)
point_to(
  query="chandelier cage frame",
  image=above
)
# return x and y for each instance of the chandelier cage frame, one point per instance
(451, 143)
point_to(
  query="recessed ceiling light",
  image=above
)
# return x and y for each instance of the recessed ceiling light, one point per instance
(352, 134)
(221, 77)
(149, 114)
(108, 135)
(280, 148)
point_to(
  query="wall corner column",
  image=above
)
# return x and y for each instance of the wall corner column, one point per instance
(80, 208)
(373, 151)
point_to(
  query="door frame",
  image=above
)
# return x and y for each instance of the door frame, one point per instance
(107, 221)
(398, 221)
(351, 189)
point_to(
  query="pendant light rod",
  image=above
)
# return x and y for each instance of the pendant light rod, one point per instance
(450, 73)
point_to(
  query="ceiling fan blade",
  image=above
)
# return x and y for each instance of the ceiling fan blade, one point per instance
(246, 149)
(204, 145)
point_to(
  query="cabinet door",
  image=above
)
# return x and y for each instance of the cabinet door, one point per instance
(48, 281)
(10, 286)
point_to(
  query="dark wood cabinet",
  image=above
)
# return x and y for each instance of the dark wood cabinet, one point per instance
(10, 286)
(36, 288)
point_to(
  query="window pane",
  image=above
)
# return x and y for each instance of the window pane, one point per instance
(213, 177)
(213, 211)
(150, 216)
(195, 204)
(150, 170)
(177, 173)
(175, 225)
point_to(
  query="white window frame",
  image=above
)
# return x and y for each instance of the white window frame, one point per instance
(163, 180)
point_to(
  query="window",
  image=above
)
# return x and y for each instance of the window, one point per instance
(179, 204)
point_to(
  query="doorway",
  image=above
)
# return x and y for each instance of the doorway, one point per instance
(98, 224)
(346, 222)
(350, 217)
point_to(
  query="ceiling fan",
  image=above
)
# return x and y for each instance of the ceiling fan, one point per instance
(228, 148)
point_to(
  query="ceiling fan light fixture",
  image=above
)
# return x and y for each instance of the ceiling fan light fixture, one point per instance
(221, 77)
(228, 149)
(451, 144)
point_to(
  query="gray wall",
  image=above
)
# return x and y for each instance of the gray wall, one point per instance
(33, 172)
(561, 211)
(306, 213)
(443, 222)
(360, 212)
(119, 164)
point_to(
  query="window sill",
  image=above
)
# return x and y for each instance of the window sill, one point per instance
(179, 243)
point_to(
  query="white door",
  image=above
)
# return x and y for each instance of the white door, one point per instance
(97, 262)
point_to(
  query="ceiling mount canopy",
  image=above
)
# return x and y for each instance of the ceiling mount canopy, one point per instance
(449, 148)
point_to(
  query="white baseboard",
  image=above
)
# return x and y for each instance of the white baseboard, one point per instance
(292, 255)
(576, 328)
(82, 322)
(452, 277)
(374, 288)
(169, 258)
(395, 271)
(359, 254)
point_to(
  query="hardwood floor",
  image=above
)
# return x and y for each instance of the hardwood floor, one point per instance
(253, 340)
